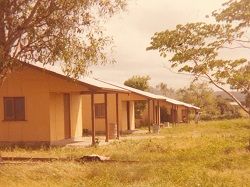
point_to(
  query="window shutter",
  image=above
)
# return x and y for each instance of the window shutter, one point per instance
(19, 108)
(14, 108)
(9, 111)
(100, 110)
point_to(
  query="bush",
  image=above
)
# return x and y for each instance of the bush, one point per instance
(229, 115)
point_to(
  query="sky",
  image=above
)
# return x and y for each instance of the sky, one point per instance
(132, 30)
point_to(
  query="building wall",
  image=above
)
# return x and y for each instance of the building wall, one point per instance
(100, 122)
(180, 113)
(158, 113)
(76, 115)
(86, 112)
(123, 98)
(43, 93)
(153, 113)
(178, 108)
(132, 115)
(166, 105)
(111, 99)
(36, 125)
(124, 116)
(56, 117)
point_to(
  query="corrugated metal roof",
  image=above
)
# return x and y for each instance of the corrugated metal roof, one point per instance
(134, 90)
(176, 102)
(110, 86)
(89, 81)
(173, 101)
(150, 95)
(101, 85)
(192, 106)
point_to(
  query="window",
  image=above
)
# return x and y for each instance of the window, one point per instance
(100, 110)
(14, 108)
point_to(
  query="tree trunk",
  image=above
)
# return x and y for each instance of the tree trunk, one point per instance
(2, 41)
(228, 93)
(2, 26)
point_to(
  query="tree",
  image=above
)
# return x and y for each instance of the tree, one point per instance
(194, 48)
(241, 80)
(68, 32)
(164, 90)
(141, 83)
(248, 101)
(212, 106)
(200, 95)
(226, 109)
(138, 82)
(235, 12)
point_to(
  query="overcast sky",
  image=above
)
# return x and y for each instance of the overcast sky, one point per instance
(132, 30)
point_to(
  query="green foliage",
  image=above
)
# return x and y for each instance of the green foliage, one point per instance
(240, 79)
(165, 90)
(226, 111)
(209, 154)
(235, 12)
(200, 95)
(47, 32)
(138, 82)
(141, 83)
(194, 47)
(248, 101)
(212, 106)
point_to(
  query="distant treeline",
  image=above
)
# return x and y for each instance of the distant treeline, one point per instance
(214, 105)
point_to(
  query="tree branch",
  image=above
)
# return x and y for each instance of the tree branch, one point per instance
(228, 93)
(243, 41)
(19, 30)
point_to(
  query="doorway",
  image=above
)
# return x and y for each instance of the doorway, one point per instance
(128, 115)
(67, 126)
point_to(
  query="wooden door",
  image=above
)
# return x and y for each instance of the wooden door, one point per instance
(128, 115)
(67, 128)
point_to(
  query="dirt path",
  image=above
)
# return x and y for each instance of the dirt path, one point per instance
(87, 141)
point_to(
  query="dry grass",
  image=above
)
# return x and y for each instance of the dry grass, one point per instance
(209, 154)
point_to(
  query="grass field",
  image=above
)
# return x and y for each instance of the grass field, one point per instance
(209, 154)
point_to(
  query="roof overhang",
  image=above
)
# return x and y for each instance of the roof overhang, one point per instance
(92, 85)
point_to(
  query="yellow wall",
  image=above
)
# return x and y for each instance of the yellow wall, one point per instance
(111, 100)
(124, 116)
(179, 112)
(168, 106)
(131, 97)
(56, 117)
(86, 112)
(144, 119)
(132, 114)
(36, 126)
(41, 107)
(76, 115)
(100, 122)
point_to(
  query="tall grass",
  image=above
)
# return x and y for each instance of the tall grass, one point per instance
(208, 154)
